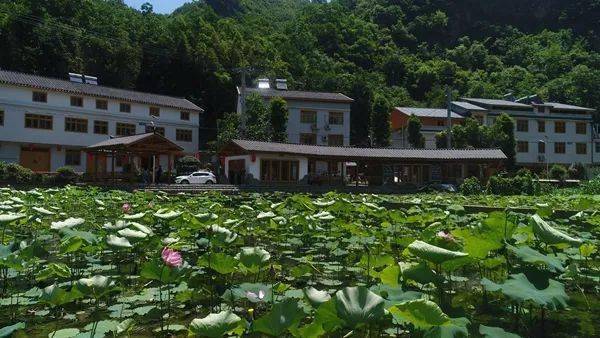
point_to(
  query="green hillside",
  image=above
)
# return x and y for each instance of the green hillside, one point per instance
(407, 51)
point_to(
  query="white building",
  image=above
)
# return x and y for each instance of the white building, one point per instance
(45, 123)
(314, 118)
(546, 132)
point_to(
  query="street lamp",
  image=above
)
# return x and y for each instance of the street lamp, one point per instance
(545, 155)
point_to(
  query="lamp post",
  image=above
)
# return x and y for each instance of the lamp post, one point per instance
(545, 156)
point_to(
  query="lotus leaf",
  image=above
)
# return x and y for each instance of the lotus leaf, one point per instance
(433, 253)
(217, 324)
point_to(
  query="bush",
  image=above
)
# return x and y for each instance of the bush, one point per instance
(471, 186)
(577, 171)
(592, 186)
(66, 175)
(187, 164)
(14, 173)
(558, 172)
(523, 183)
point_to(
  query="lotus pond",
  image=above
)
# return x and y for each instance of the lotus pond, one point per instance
(83, 262)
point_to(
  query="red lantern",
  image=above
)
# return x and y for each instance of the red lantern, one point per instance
(253, 157)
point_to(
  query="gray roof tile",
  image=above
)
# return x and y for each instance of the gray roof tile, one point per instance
(563, 106)
(468, 106)
(301, 95)
(428, 112)
(495, 102)
(47, 83)
(350, 153)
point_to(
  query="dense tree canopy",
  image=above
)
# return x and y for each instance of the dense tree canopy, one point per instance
(406, 50)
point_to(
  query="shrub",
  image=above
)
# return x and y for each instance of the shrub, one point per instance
(558, 172)
(471, 186)
(187, 164)
(577, 171)
(15, 173)
(592, 186)
(66, 175)
(523, 183)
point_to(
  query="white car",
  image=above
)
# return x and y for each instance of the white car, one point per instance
(198, 177)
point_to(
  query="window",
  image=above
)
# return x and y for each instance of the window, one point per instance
(184, 135)
(523, 125)
(542, 147)
(101, 127)
(125, 108)
(559, 147)
(1, 117)
(336, 118)
(559, 127)
(72, 157)
(581, 128)
(307, 116)
(335, 140)
(158, 130)
(522, 146)
(76, 101)
(102, 104)
(39, 97)
(308, 138)
(76, 125)
(184, 115)
(36, 121)
(279, 170)
(441, 123)
(541, 126)
(154, 111)
(125, 129)
(581, 148)
(598, 147)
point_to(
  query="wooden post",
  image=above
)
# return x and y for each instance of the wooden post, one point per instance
(170, 156)
(113, 167)
(153, 169)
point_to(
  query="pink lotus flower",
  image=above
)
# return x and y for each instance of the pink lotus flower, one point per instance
(171, 257)
(126, 208)
(445, 236)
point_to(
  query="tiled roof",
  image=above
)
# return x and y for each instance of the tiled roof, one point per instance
(468, 106)
(125, 141)
(495, 102)
(350, 153)
(428, 112)
(46, 83)
(301, 95)
(562, 106)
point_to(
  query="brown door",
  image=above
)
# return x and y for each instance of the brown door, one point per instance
(96, 160)
(36, 159)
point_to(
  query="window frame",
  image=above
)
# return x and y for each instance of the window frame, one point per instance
(561, 130)
(120, 126)
(579, 151)
(577, 128)
(43, 94)
(541, 126)
(305, 113)
(100, 107)
(340, 137)
(76, 101)
(335, 118)
(305, 135)
(289, 167)
(154, 111)
(522, 126)
(75, 123)
(123, 105)
(159, 130)
(71, 152)
(97, 126)
(562, 146)
(522, 146)
(181, 135)
(40, 118)
(183, 113)
(541, 147)
(1, 117)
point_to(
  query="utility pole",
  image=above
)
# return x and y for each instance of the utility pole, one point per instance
(243, 104)
(449, 122)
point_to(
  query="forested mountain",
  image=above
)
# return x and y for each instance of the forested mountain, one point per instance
(407, 51)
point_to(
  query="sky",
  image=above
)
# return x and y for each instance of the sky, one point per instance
(159, 6)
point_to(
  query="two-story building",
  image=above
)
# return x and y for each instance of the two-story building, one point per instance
(314, 118)
(45, 123)
(545, 132)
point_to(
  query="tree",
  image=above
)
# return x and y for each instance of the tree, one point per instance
(257, 119)
(228, 129)
(380, 122)
(504, 131)
(415, 137)
(360, 113)
(147, 8)
(279, 117)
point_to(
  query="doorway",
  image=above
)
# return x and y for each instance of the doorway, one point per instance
(36, 159)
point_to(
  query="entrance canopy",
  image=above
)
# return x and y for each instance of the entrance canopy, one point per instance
(143, 144)
(239, 147)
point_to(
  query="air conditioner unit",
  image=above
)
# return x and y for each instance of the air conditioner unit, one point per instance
(541, 158)
(327, 127)
(324, 138)
(314, 126)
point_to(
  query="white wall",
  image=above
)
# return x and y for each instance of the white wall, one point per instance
(17, 101)
(253, 167)
(295, 127)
